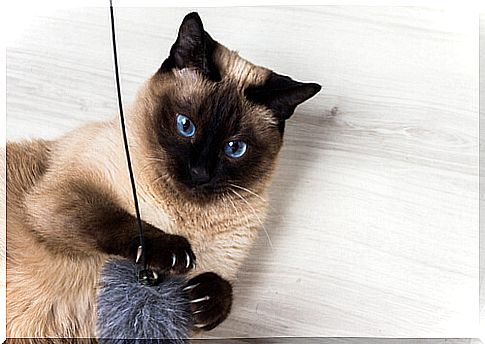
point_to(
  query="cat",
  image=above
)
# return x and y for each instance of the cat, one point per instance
(204, 134)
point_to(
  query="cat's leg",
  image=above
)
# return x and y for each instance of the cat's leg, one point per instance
(57, 250)
(211, 299)
(76, 216)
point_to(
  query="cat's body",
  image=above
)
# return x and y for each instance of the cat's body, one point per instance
(219, 236)
(70, 206)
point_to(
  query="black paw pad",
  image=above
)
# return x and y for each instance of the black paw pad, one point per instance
(211, 298)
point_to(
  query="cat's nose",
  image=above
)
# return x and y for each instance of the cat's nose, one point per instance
(199, 174)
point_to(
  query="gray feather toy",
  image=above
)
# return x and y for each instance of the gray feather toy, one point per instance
(128, 309)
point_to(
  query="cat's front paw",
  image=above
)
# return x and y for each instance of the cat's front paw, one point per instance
(210, 298)
(170, 253)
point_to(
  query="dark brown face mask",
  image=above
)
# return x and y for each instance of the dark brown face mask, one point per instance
(208, 143)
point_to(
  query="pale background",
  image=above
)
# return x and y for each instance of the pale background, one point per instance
(374, 221)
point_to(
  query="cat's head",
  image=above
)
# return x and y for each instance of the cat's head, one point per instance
(213, 120)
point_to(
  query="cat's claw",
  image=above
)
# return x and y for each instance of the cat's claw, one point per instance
(210, 297)
(187, 288)
(170, 253)
(189, 261)
(174, 259)
(205, 298)
(183, 260)
(201, 326)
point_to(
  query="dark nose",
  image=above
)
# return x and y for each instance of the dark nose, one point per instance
(199, 175)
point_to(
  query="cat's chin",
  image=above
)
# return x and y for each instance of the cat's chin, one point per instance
(205, 192)
(200, 193)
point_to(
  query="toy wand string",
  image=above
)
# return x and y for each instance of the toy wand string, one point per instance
(133, 303)
(145, 275)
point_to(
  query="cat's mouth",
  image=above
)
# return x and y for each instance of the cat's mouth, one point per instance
(205, 189)
(200, 191)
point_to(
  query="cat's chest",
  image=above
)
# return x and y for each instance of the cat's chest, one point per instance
(220, 237)
(199, 224)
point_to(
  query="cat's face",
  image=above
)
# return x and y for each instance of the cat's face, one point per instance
(216, 123)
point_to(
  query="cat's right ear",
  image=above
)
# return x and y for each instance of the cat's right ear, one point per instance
(193, 47)
(282, 94)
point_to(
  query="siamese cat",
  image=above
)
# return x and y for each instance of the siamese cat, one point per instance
(204, 134)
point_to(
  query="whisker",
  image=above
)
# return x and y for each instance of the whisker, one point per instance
(256, 215)
(158, 178)
(241, 216)
(153, 159)
(249, 191)
(233, 205)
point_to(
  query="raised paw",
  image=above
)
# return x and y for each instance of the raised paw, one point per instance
(170, 253)
(210, 298)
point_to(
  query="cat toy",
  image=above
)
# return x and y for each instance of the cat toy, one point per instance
(135, 302)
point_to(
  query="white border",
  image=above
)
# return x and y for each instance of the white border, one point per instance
(16, 16)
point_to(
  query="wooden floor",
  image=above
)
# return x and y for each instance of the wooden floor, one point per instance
(374, 222)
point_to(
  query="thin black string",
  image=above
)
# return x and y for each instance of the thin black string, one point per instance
(125, 138)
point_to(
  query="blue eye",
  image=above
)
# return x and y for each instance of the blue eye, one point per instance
(235, 149)
(185, 126)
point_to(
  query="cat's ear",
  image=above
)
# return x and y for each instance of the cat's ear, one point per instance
(193, 47)
(281, 94)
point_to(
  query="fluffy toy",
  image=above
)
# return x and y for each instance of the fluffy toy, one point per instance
(128, 309)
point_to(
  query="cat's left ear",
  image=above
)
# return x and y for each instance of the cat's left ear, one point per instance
(282, 94)
(193, 47)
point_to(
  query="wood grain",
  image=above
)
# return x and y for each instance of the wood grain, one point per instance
(374, 221)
